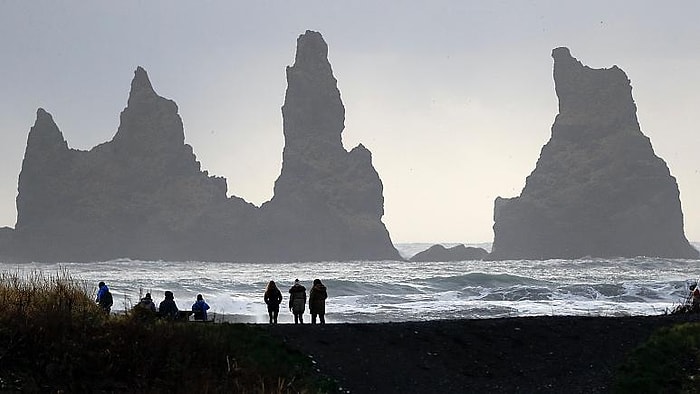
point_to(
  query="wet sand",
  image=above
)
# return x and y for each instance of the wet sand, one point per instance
(533, 354)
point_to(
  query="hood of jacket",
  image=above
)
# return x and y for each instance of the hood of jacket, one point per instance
(297, 289)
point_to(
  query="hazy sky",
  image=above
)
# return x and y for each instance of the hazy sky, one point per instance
(453, 98)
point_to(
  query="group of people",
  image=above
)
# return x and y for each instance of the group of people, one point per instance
(167, 308)
(273, 298)
(297, 301)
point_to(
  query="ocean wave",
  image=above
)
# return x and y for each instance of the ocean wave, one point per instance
(401, 291)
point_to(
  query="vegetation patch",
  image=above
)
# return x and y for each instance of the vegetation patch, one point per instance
(669, 362)
(54, 337)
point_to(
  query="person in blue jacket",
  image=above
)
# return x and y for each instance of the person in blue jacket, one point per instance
(104, 297)
(200, 308)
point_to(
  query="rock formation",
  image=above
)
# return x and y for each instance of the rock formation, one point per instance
(598, 188)
(143, 194)
(455, 253)
(326, 199)
(140, 195)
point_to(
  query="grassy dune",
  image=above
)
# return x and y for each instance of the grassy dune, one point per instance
(54, 337)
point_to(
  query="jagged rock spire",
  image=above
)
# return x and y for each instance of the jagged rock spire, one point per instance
(598, 188)
(149, 121)
(45, 159)
(327, 201)
(583, 91)
(314, 115)
(143, 194)
(141, 88)
(45, 133)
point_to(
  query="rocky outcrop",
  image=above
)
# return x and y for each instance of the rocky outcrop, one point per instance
(326, 199)
(6, 237)
(455, 253)
(143, 194)
(598, 188)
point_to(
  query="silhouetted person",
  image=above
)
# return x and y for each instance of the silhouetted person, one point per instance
(104, 297)
(273, 299)
(200, 308)
(297, 301)
(695, 306)
(147, 303)
(167, 307)
(317, 301)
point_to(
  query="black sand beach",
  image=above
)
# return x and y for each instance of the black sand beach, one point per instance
(533, 354)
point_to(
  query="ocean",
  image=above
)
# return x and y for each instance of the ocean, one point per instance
(396, 291)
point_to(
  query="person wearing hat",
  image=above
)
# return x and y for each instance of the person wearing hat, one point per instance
(297, 301)
(147, 303)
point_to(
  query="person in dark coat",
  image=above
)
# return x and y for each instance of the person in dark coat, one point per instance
(317, 301)
(167, 307)
(273, 299)
(297, 301)
(200, 308)
(147, 303)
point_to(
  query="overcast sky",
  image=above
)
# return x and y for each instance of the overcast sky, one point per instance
(453, 98)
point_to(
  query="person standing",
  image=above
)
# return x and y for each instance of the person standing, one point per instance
(104, 297)
(297, 301)
(167, 307)
(273, 299)
(200, 308)
(317, 301)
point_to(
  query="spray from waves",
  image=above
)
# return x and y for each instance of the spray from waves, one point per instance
(399, 291)
(480, 279)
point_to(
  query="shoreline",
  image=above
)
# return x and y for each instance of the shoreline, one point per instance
(518, 354)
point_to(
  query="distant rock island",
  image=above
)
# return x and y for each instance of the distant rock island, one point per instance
(455, 253)
(143, 195)
(598, 189)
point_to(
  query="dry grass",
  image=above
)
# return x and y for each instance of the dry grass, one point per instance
(54, 337)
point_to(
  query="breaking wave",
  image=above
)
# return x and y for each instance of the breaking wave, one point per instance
(362, 291)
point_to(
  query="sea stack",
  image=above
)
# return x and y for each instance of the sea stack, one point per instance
(598, 188)
(327, 201)
(143, 195)
(140, 195)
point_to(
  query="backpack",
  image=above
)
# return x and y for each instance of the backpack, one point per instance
(198, 311)
(106, 300)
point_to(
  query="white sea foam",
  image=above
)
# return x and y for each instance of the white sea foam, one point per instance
(363, 291)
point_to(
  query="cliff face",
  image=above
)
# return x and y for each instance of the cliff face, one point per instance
(144, 195)
(598, 189)
(326, 199)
